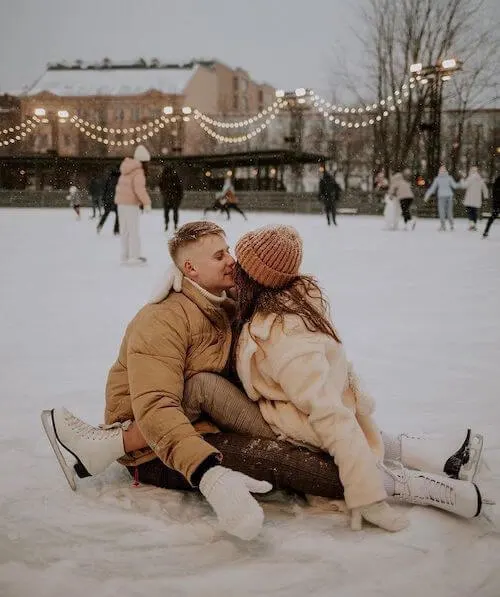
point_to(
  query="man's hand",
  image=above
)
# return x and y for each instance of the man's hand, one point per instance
(147, 208)
(228, 492)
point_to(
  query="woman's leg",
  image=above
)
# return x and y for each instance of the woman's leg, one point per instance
(285, 466)
(225, 405)
(442, 211)
(134, 238)
(124, 232)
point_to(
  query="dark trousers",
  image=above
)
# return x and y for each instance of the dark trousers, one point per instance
(166, 212)
(405, 208)
(285, 466)
(495, 213)
(96, 206)
(107, 210)
(472, 213)
(230, 206)
(331, 212)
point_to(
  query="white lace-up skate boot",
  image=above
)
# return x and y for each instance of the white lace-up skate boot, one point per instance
(438, 455)
(427, 489)
(94, 448)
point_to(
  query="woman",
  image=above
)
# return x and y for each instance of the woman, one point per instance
(291, 361)
(475, 192)
(130, 195)
(401, 190)
(443, 185)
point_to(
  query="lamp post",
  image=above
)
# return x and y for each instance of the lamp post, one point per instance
(297, 104)
(434, 75)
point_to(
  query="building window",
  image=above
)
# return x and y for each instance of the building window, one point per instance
(235, 84)
(235, 102)
(67, 140)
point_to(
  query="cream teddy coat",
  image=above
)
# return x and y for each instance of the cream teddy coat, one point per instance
(309, 394)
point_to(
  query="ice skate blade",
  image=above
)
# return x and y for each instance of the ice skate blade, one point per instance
(469, 468)
(48, 426)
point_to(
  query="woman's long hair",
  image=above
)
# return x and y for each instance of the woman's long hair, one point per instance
(289, 300)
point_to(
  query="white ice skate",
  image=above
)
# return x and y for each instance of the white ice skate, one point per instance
(432, 455)
(93, 448)
(426, 489)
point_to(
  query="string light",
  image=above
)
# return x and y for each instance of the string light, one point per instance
(274, 107)
(22, 130)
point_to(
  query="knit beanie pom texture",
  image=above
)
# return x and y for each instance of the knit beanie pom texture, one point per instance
(270, 255)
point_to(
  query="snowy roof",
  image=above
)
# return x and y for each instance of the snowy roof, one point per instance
(112, 81)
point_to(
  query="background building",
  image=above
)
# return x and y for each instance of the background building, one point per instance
(126, 103)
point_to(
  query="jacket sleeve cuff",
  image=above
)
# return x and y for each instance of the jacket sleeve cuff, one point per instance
(207, 464)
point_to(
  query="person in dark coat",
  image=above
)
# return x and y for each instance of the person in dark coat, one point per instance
(495, 205)
(329, 195)
(172, 194)
(108, 200)
(94, 191)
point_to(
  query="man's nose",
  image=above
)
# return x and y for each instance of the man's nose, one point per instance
(230, 259)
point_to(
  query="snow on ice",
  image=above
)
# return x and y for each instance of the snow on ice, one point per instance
(419, 315)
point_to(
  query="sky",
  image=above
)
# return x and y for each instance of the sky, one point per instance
(287, 43)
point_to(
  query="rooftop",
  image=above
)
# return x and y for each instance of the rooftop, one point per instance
(80, 79)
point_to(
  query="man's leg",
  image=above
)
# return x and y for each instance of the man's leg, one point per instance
(166, 209)
(104, 217)
(176, 216)
(494, 215)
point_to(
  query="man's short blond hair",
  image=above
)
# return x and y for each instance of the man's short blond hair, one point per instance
(191, 233)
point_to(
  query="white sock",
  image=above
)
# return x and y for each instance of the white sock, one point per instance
(392, 446)
(389, 483)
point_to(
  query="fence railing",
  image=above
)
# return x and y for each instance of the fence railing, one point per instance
(352, 202)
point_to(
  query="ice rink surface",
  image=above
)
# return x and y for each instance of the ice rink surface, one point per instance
(419, 314)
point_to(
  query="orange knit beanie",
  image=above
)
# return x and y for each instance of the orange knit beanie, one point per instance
(271, 255)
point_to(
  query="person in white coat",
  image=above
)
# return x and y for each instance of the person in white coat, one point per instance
(292, 363)
(475, 191)
(130, 195)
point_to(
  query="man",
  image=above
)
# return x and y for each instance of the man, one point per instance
(108, 200)
(157, 378)
(95, 191)
(329, 194)
(495, 206)
(172, 192)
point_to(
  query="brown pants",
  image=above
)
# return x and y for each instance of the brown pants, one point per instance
(247, 444)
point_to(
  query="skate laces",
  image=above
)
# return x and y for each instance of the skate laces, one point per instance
(86, 431)
(419, 487)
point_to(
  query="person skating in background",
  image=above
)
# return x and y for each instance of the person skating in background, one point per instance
(475, 191)
(172, 193)
(130, 195)
(444, 186)
(108, 201)
(329, 195)
(75, 197)
(94, 191)
(495, 206)
(225, 200)
(400, 189)
(229, 194)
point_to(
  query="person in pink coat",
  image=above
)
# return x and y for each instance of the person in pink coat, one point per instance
(130, 195)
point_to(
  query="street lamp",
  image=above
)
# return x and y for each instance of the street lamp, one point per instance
(435, 75)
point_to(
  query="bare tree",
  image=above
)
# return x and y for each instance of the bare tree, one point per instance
(404, 32)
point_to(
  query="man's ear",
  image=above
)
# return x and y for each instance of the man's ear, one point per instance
(188, 269)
